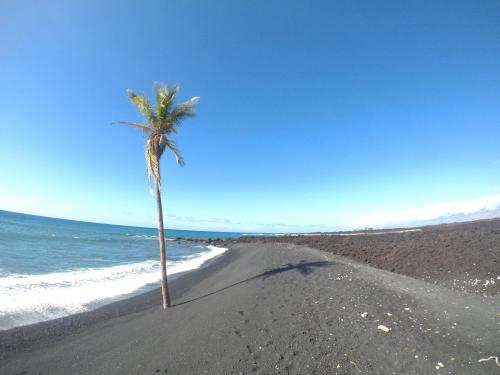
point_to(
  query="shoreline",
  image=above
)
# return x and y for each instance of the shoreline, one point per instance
(128, 283)
(30, 336)
(270, 308)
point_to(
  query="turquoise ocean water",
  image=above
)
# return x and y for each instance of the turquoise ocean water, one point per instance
(51, 267)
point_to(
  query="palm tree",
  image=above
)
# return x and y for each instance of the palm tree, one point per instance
(161, 121)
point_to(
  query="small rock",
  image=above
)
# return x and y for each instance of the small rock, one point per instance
(364, 315)
(384, 328)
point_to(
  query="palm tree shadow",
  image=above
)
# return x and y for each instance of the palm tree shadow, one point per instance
(303, 267)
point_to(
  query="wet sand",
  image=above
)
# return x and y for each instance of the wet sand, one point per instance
(265, 308)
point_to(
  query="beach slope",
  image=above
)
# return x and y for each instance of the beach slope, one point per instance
(272, 308)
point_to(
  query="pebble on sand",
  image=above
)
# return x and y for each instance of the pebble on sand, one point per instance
(439, 365)
(384, 328)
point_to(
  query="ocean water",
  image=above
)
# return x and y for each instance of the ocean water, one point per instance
(51, 268)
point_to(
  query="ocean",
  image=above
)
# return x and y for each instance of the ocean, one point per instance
(51, 268)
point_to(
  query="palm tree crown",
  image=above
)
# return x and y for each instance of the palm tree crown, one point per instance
(161, 121)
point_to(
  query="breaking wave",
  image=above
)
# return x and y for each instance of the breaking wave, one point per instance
(27, 299)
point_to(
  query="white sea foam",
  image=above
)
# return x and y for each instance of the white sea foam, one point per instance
(145, 236)
(26, 299)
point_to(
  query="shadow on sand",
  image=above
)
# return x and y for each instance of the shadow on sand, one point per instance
(303, 267)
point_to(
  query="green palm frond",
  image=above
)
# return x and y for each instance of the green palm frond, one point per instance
(168, 143)
(164, 100)
(180, 113)
(143, 106)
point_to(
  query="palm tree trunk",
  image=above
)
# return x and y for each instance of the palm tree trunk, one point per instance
(163, 260)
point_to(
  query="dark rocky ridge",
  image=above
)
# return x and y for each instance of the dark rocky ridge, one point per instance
(461, 256)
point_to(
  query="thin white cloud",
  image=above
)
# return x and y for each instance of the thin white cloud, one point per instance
(231, 225)
(467, 208)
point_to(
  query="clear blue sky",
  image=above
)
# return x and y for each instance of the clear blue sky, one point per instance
(312, 114)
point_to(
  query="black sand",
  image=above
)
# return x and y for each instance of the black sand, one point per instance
(460, 256)
(272, 308)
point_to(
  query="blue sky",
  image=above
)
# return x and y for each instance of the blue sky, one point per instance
(313, 115)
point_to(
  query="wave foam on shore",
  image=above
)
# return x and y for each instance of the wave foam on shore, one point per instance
(27, 299)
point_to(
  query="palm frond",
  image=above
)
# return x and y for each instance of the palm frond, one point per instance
(179, 113)
(164, 100)
(143, 106)
(144, 127)
(170, 144)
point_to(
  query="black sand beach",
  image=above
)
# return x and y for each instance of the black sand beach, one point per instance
(268, 308)
(461, 256)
